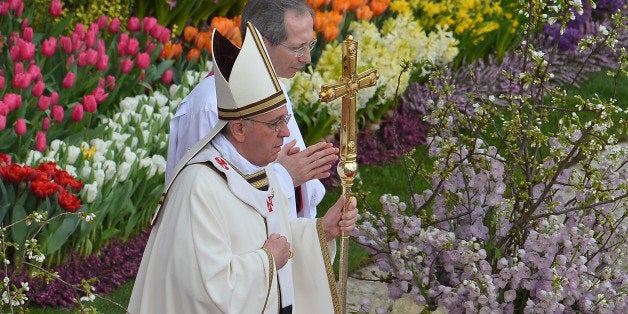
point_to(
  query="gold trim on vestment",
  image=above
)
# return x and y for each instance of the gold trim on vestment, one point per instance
(331, 277)
(267, 104)
(271, 265)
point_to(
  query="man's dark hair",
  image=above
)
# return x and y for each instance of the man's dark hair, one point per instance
(268, 17)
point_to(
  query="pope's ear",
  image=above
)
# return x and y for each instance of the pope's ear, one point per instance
(236, 130)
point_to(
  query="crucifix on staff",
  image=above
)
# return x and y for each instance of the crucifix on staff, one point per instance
(348, 89)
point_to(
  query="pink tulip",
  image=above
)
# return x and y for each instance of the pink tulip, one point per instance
(149, 22)
(127, 65)
(56, 113)
(43, 103)
(2, 81)
(12, 101)
(143, 60)
(4, 109)
(79, 31)
(132, 46)
(111, 82)
(18, 68)
(167, 76)
(101, 47)
(114, 27)
(102, 22)
(99, 94)
(27, 34)
(20, 127)
(150, 47)
(77, 113)
(91, 35)
(92, 56)
(22, 81)
(3, 122)
(165, 35)
(133, 25)
(123, 41)
(34, 71)
(55, 8)
(70, 62)
(40, 141)
(49, 46)
(4, 9)
(54, 98)
(66, 44)
(68, 80)
(18, 7)
(156, 31)
(103, 62)
(89, 103)
(45, 125)
(25, 50)
(38, 89)
(82, 59)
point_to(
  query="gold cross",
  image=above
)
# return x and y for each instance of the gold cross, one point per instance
(347, 167)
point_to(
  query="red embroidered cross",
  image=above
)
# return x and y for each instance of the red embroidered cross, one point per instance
(269, 203)
(222, 162)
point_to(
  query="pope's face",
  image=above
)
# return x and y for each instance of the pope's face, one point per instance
(262, 143)
(300, 29)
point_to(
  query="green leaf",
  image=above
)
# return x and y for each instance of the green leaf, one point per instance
(59, 236)
(19, 230)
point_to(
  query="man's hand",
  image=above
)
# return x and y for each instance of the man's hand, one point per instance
(313, 162)
(280, 249)
(334, 221)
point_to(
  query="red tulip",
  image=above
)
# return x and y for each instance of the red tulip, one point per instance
(49, 46)
(77, 113)
(55, 8)
(68, 80)
(68, 201)
(20, 127)
(40, 141)
(127, 65)
(133, 25)
(56, 113)
(114, 27)
(43, 102)
(89, 103)
(143, 60)
(167, 76)
(38, 89)
(45, 125)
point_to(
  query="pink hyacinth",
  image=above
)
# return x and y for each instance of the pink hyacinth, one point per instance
(56, 113)
(77, 113)
(133, 25)
(20, 127)
(143, 60)
(40, 141)
(68, 80)
(55, 8)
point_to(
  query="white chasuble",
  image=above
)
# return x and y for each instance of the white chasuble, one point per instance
(204, 253)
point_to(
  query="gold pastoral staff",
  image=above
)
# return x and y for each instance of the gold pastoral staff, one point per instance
(348, 89)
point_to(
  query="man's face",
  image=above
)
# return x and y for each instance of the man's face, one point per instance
(262, 143)
(300, 29)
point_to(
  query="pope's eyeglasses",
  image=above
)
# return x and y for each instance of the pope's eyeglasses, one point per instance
(277, 125)
(299, 52)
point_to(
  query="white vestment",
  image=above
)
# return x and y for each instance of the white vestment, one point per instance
(198, 114)
(204, 253)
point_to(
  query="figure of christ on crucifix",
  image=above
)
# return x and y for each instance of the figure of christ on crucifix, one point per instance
(348, 89)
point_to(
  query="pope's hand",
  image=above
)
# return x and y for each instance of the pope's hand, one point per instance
(334, 221)
(280, 249)
(313, 162)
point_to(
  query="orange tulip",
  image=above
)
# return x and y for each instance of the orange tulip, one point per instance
(189, 33)
(355, 4)
(364, 13)
(193, 54)
(202, 38)
(340, 6)
(379, 6)
(171, 50)
(315, 4)
(331, 32)
(229, 28)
